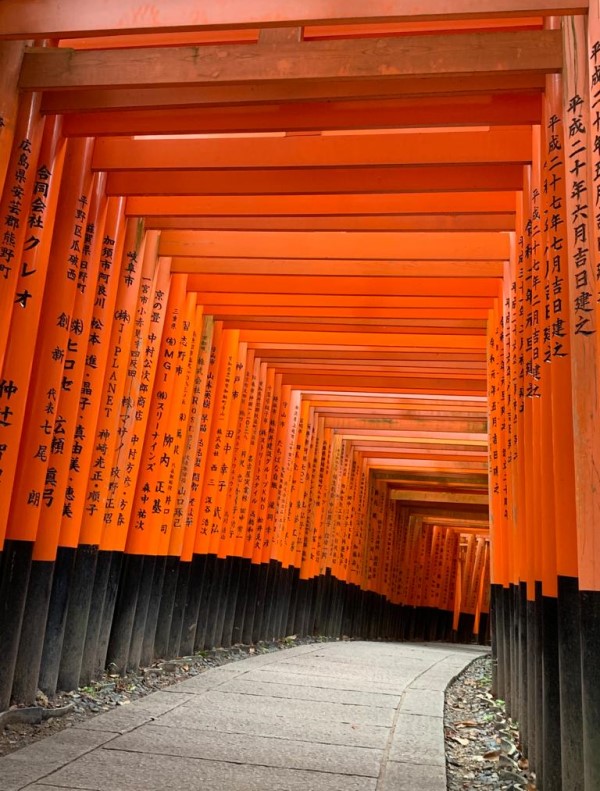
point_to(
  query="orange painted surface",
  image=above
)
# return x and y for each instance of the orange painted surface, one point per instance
(49, 531)
(17, 193)
(22, 333)
(101, 407)
(151, 527)
(135, 409)
(25, 18)
(43, 420)
(506, 146)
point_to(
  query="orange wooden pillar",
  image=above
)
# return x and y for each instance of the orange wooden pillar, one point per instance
(56, 483)
(134, 404)
(18, 236)
(196, 513)
(144, 562)
(579, 92)
(11, 55)
(562, 433)
(98, 444)
(222, 544)
(22, 335)
(231, 538)
(245, 514)
(189, 484)
(294, 532)
(169, 586)
(48, 381)
(498, 531)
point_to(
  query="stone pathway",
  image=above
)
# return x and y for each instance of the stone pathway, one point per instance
(344, 716)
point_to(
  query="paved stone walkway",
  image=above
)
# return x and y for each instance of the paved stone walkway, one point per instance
(348, 716)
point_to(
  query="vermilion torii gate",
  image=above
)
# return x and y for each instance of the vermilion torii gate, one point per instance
(292, 297)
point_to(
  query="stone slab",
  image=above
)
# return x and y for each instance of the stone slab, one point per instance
(264, 723)
(248, 685)
(113, 770)
(413, 777)
(429, 702)
(286, 709)
(299, 679)
(251, 750)
(417, 739)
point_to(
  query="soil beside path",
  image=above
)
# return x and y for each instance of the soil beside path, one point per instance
(482, 743)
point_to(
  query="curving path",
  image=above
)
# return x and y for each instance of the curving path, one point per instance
(350, 716)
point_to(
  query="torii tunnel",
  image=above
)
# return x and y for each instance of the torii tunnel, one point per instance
(299, 312)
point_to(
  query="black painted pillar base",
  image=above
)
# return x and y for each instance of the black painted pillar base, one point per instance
(192, 605)
(16, 567)
(286, 591)
(274, 601)
(292, 601)
(181, 592)
(261, 597)
(229, 602)
(250, 603)
(514, 651)
(164, 604)
(569, 660)
(498, 642)
(80, 597)
(145, 591)
(149, 653)
(590, 686)
(523, 695)
(56, 620)
(108, 609)
(214, 601)
(532, 721)
(124, 613)
(551, 740)
(31, 643)
(89, 662)
(348, 593)
(227, 574)
(203, 609)
(302, 608)
(237, 627)
(539, 709)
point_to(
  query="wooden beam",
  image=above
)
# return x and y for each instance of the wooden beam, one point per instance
(376, 300)
(452, 479)
(395, 384)
(290, 181)
(200, 37)
(358, 340)
(381, 366)
(455, 438)
(429, 355)
(367, 315)
(351, 422)
(336, 268)
(70, 18)
(449, 204)
(413, 405)
(276, 284)
(439, 497)
(58, 102)
(414, 246)
(495, 110)
(507, 146)
(432, 223)
(537, 51)
(330, 326)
